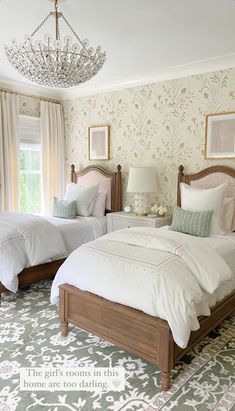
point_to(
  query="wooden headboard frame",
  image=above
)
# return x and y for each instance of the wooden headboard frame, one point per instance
(116, 182)
(187, 178)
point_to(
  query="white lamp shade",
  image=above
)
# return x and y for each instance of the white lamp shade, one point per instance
(142, 180)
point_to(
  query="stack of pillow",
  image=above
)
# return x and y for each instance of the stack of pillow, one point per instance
(204, 212)
(80, 201)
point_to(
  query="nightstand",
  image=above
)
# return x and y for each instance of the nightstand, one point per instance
(119, 220)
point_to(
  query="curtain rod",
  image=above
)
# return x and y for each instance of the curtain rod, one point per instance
(52, 100)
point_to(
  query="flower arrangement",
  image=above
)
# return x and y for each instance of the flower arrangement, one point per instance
(159, 210)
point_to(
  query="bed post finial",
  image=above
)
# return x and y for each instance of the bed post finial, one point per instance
(180, 180)
(181, 169)
(119, 167)
(72, 172)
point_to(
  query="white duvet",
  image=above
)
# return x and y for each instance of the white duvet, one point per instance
(158, 271)
(26, 240)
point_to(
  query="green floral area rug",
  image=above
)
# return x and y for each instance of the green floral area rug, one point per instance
(30, 337)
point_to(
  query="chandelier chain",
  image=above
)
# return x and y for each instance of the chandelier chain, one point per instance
(56, 6)
(71, 28)
(57, 21)
(40, 25)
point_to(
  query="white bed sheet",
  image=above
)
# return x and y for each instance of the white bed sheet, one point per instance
(79, 230)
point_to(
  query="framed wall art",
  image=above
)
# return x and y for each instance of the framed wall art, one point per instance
(220, 136)
(99, 143)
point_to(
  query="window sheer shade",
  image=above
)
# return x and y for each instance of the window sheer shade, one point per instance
(29, 130)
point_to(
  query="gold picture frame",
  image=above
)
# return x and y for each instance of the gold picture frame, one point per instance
(99, 143)
(220, 136)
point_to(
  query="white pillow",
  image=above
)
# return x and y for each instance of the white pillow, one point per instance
(228, 212)
(84, 196)
(196, 199)
(99, 207)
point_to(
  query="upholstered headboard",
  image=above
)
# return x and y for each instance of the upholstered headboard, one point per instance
(208, 178)
(109, 182)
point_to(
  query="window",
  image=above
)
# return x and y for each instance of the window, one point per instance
(30, 164)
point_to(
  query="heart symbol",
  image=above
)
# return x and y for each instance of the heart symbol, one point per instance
(116, 383)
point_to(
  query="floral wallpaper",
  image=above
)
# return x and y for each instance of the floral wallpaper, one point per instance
(29, 106)
(161, 125)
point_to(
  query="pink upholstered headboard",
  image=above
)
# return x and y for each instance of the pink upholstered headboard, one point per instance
(95, 178)
(208, 178)
(214, 180)
(109, 183)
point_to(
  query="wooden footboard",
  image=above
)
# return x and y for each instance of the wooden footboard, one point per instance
(148, 337)
(130, 329)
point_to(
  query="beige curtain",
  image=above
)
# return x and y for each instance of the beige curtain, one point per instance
(9, 152)
(53, 153)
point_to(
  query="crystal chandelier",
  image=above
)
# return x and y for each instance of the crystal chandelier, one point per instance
(56, 63)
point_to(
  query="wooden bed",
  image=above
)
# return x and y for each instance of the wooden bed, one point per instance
(147, 336)
(90, 175)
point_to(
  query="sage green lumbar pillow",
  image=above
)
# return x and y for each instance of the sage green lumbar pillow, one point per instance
(192, 222)
(64, 209)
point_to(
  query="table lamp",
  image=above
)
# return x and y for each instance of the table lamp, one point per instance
(141, 181)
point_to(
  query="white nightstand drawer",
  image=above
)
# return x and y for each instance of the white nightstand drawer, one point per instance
(119, 223)
(120, 220)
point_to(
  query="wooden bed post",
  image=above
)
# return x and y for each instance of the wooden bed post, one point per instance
(118, 189)
(72, 173)
(166, 357)
(62, 308)
(180, 180)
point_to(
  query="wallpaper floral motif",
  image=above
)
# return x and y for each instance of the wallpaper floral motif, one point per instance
(29, 106)
(161, 125)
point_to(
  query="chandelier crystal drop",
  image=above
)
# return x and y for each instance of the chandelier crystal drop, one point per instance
(55, 63)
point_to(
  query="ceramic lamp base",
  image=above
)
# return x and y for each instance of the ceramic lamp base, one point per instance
(141, 204)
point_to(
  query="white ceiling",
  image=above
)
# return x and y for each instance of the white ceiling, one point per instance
(145, 40)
